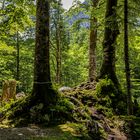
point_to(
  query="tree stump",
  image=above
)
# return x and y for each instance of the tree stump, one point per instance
(8, 90)
(5, 90)
(12, 89)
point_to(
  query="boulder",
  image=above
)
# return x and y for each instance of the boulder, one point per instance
(64, 89)
(20, 95)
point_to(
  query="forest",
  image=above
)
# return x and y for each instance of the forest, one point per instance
(69, 74)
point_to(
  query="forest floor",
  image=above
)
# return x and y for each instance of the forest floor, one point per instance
(36, 133)
(81, 96)
(60, 132)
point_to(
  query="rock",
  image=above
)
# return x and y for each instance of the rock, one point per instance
(20, 95)
(64, 89)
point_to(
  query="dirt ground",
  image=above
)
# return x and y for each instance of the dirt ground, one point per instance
(25, 133)
(35, 133)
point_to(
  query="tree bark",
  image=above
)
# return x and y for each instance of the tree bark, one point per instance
(93, 42)
(17, 48)
(58, 46)
(58, 57)
(111, 33)
(17, 60)
(126, 58)
(42, 88)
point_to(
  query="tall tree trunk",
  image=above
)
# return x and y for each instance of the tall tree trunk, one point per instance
(92, 46)
(3, 5)
(58, 57)
(111, 33)
(58, 50)
(42, 88)
(17, 58)
(58, 43)
(126, 58)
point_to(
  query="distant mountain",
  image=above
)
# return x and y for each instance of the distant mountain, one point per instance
(81, 17)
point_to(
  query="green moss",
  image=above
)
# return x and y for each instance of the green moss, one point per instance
(28, 110)
(104, 110)
(105, 87)
(132, 126)
(86, 97)
(110, 96)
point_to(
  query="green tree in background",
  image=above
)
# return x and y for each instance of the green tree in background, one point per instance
(58, 40)
(127, 66)
(13, 28)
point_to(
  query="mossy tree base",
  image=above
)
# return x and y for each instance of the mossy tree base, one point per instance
(111, 95)
(32, 109)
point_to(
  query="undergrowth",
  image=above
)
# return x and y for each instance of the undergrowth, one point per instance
(88, 111)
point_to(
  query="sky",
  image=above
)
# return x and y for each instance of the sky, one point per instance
(68, 3)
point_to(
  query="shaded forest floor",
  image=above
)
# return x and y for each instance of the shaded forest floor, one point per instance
(60, 132)
(36, 133)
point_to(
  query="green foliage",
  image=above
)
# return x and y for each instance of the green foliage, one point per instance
(16, 16)
(8, 64)
(75, 68)
(6, 61)
(5, 106)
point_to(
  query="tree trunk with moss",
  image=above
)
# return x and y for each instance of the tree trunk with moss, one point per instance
(114, 91)
(93, 41)
(42, 88)
(109, 43)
